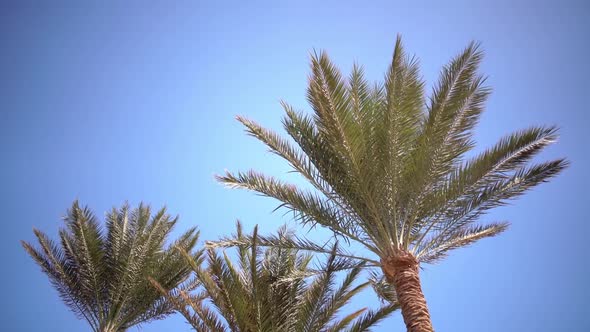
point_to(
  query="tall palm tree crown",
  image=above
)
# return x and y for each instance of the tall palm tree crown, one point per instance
(103, 275)
(270, 290)
(389, 169)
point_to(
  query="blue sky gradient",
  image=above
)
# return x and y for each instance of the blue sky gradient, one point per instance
(108, 103)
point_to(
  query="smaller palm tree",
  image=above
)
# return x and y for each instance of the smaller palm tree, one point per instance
(270, 290)
(103, 276)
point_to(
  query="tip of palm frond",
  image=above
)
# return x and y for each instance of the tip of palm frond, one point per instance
(316, 54)
(398, 42)
(227, 179)
(462, 237)
(474, 47)
(76, 203)
(26, 245)
(37, 232)
(553, 168)
(564, 163)
(245, 121)
(499, 228)
(356, 314)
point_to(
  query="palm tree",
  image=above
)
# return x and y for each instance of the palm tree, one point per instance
(389, 168)
(103, 276)
(270, 290)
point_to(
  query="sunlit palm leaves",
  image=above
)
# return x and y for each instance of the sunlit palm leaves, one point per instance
(272, 290)
(388, 165)
(102, 274)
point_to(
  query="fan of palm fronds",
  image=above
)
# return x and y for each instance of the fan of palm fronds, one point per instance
(272, 290)
(388, 166)
(102, 275)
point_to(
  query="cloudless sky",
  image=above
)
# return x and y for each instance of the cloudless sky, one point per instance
(136, 101)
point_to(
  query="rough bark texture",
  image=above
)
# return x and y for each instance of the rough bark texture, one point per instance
(401, 271)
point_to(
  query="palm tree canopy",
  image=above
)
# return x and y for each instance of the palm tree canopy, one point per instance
(102, 275)
(389, 167)
(271, 290)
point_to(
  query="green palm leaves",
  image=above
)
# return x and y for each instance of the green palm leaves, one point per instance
(271, 290)
(389, 168)
(102, 274)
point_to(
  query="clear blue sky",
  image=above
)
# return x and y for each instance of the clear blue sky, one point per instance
(137, 102)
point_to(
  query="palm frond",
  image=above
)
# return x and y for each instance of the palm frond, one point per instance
(440, 245)
(290, 241)
(373, 318)
(383, 289)
(495, 163)
(317, 209)
(500, 192)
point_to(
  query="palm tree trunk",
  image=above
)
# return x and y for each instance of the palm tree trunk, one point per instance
(401, 271)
